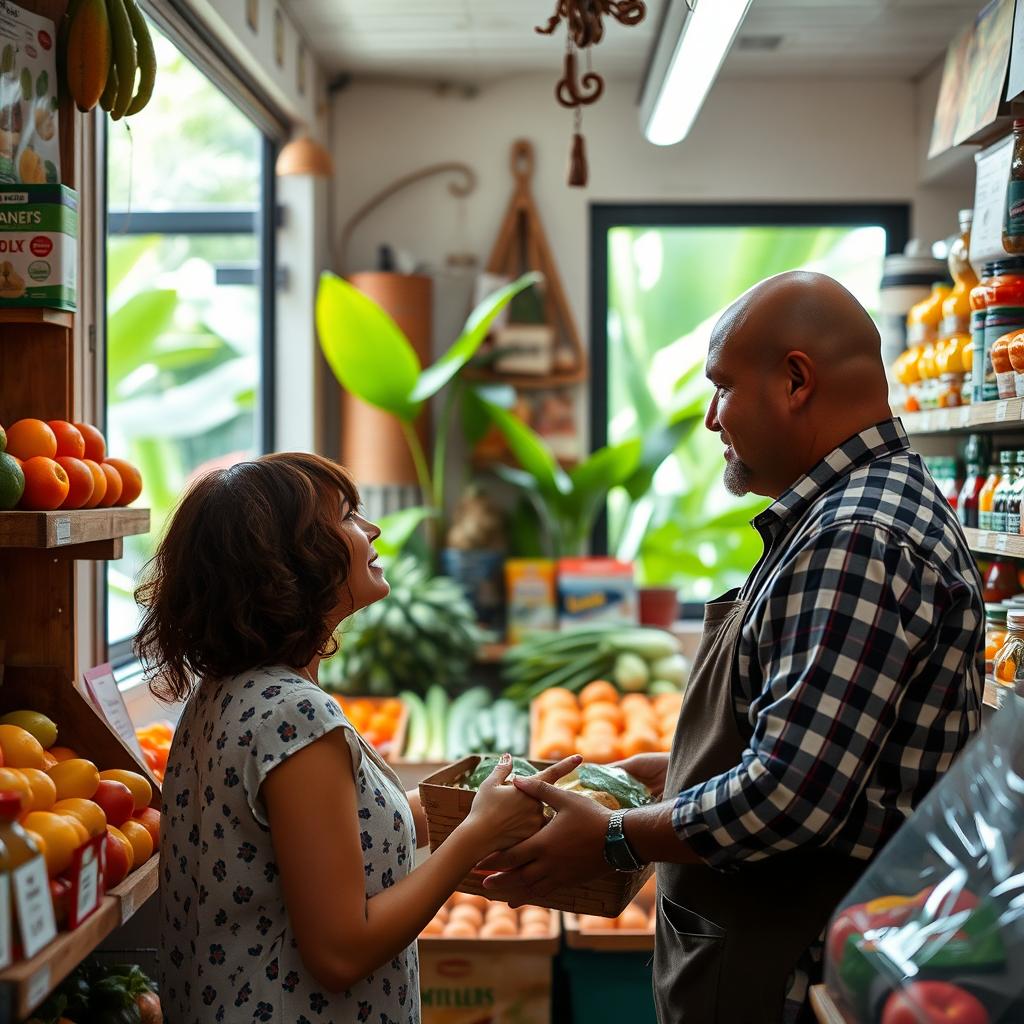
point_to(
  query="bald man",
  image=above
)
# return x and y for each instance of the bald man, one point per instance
(828, 694)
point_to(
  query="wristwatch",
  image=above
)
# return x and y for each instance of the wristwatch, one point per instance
(617, 851)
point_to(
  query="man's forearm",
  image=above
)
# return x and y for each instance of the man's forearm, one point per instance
(653, 838)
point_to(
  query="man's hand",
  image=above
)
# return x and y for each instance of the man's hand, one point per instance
(649, 769)
(567, 851)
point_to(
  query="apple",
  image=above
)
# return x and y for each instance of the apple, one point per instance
(117, 864)
(60, 893)
(149, 819)
(116, 800)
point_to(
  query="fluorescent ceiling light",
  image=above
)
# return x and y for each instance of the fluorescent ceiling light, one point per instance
(690, 49)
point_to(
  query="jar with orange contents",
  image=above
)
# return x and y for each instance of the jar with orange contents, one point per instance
(1004, 314)
(1006, 386)
(1008, 666)
(995, 633)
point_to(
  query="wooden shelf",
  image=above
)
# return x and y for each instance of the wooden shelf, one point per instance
(995, 694)
(824, 1007)
(1006, 414)
(24, 315)
(84, 530)
(985, 542)
(527, 382)
(24, 985)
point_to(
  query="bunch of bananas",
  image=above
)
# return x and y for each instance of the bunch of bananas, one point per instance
(108, 56)
(423, 632)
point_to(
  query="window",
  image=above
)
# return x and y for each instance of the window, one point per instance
(661, 278)
(189, 266)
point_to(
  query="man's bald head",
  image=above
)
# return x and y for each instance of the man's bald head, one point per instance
(800, 355)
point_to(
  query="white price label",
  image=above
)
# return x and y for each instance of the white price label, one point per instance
(38, 986)
(106, 695)
(983, 540)
(6, 921)
(63, 530)
(925, 423)
(88, 885)
(964, 416)
(1002, 540)
(1002, 410)
(34, 905)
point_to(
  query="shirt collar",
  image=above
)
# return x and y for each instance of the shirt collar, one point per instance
(885, 438)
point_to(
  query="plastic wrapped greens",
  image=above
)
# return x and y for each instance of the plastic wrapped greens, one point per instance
(935, 928)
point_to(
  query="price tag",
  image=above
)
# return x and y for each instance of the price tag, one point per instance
(925, 422)
(990, 186)
(6, 920)
(1002, 410)
(63, 530)
(34, 905)
(38, 986)
(1002, 541)
(963, 416)
(102, 688)
(85, 880)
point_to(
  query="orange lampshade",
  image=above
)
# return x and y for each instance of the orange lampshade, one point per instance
(304, 156)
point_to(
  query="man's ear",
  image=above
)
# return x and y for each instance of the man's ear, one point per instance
(801, 379)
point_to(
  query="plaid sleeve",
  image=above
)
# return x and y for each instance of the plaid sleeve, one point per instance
(835, 641)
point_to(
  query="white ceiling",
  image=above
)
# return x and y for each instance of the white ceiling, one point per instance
(478, 40)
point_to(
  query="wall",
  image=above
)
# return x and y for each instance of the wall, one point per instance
(756, 141)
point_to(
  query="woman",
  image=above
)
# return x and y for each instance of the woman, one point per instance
(287, 884)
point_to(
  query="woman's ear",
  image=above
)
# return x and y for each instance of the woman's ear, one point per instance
(801, 379)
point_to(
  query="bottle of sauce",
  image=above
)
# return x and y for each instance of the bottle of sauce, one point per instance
(1013, 499)
(1001, 581)
(967, 506)
(978, 300)
(986, 496)
(1013, 219)
(1007, 462)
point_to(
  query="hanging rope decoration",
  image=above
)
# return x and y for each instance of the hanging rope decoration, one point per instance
(584, 21)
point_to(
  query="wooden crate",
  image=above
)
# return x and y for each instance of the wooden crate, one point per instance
(446, 806)
(541, 945)
(615, 940)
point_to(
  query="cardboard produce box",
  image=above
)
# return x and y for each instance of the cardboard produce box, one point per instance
(446, 805)
(38, 246)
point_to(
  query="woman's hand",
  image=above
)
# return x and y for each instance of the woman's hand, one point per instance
(501, 816)
(650, 769)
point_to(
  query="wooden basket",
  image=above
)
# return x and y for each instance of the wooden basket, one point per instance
(446, 806)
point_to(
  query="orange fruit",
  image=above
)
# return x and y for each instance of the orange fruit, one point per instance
(80, 830)
(382, 724)
(142, 842)
(142, 791)
(149, 819)
(569, 717)
(44, 791)
(467, 912)
(600, 727)
(99, 483)
(499, 928)
(20, 748)
(75, 777)
(61, 753)
(88, 813)
(80, 485)
(114, 485)
(95, 443)
(644, 742)
(126, 846)
(14, 781)
(59, 836)
(131, 480)
(69, 438)
(48, 760)
(557, 697)
(459, 930)
(599, 749)
(46, 484)
(28, 438)
(599, 690)
(40, 842)
(555, 745)
(603, 710)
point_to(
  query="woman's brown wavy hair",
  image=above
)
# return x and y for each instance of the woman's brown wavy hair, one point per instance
(249, 567)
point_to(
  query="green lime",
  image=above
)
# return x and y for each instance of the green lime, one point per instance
(12, 482)
(3, 440)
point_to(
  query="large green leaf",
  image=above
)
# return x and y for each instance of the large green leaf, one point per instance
(475, 416)
(397, 528)
(366, 349)
(532, 454)
(658, 444)
(606, 468)
(434, 377)
(134, 328)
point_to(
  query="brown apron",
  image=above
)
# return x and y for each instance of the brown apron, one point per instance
(727, 942)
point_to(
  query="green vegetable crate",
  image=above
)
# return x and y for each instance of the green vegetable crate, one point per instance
(446, 805)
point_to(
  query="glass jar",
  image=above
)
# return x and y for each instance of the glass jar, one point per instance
(1000, 581)
(925, 316)
(951, 389)
(967, 506)
(1007, 462)
(986, 496)
(1014, 496)
(1004, 314)
(995, 633)
(1008, 664)
(978, 300)
(1015, 348)
(956, 309)
(1006, 385)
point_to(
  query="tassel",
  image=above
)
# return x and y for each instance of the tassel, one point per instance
(578, 162)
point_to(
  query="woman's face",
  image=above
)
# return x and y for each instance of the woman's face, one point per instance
(366, 582)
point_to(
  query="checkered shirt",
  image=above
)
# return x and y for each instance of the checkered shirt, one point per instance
(860, 663)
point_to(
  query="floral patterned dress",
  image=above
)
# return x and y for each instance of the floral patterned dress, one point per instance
(227, 949)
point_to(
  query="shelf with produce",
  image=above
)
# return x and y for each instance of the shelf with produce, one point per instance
(825, 1008)
(1005, 414)
(56, 317)
(24, 985)
(69, 528)
(527, 381)
(995, 694)
(491, 653)
(985, 542)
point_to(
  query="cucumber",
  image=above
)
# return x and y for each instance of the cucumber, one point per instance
(417, 737)
(485, 730)
(460, 714)
(437, 713)
(505, 713)
(521, 735)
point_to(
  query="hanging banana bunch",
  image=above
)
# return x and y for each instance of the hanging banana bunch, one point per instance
(108, 56)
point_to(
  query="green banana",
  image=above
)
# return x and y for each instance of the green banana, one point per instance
(109, 93)
(146, 57)
(124, 56)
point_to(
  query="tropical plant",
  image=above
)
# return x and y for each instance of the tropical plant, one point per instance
(372, 358)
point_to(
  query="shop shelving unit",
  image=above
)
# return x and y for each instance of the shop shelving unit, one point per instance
(38, 614)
